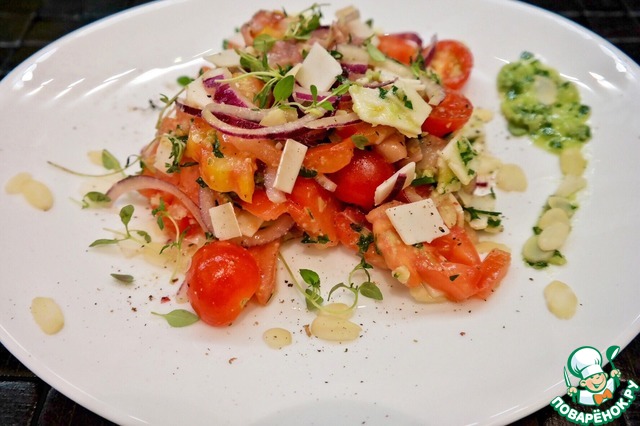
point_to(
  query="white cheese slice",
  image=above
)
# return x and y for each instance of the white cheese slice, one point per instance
(318, 69)
(417, 222)
(402, 107)
(384, 189)
(289, 167)
(163, 155)
(227, 58)
(224, 221)
(248, 223)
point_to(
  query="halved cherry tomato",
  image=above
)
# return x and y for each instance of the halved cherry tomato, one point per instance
(453, 62)
(313, 208)
(266, 255)
(449, 115)
(221, 280)
(357, 182)
(398, 47)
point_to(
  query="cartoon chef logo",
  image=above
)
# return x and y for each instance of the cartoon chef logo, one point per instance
(595, 386)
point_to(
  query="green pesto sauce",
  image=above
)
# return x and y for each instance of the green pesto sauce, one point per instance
(552, 125)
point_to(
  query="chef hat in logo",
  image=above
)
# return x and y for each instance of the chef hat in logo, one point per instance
(584, 362)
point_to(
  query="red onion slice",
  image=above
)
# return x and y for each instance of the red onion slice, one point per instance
(139, 182)
(430, 50)
(334, 121)
(206, 201)
(275, 230)
(300, 94)
(274, 195)
(355, 68)
(282, 131)
(227, 95)
(325, 182)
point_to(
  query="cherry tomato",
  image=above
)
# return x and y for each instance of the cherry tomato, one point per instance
(221, 279)
(399, 47)
(357, 182)
(449, 115)
(453, 62)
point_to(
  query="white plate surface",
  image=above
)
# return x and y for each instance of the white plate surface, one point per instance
(486, 362)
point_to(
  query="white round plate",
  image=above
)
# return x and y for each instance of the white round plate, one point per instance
(485, 362)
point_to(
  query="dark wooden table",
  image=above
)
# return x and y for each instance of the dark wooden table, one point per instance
(26, 26)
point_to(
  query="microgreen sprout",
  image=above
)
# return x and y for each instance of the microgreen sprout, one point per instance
(126, 213)
(161, 213)
(313, 294)
(109, 162)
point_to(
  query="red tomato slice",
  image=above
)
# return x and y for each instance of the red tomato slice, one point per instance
(266, 256)
(453, 62)
(493, 269)
(261, 206)
(398, 47)
(313, 208)
(456, 280)
(449, 115)
(357, 182)
(457, 247)
(221, 280)
(329, 157)
(351, 226)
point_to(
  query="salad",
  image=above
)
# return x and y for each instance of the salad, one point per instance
(330, 135)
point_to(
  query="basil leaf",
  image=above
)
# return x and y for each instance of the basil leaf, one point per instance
(179, 317)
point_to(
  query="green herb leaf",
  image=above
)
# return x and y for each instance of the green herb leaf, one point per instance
(125, 278)
(283, 89)
(360, 141)
(109, 161)
(94, 197)
(179, 317)
(263, 43)
(184, 80)
(103, 242)
(216, 147)
(310, 277)
(370, 290)
(126, 213)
